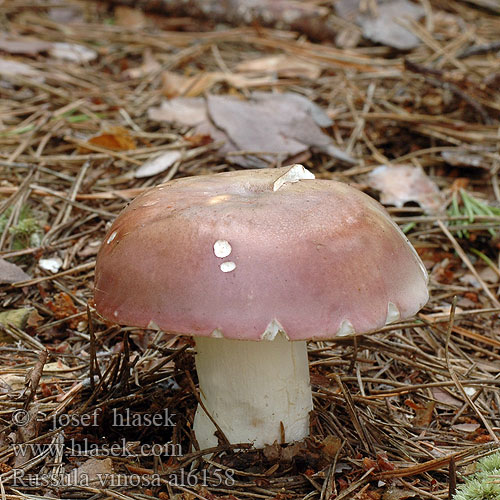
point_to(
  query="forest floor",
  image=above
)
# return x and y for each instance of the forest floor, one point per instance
(404, 412)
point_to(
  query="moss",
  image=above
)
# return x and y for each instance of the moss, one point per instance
(26, 232)
(484, 483)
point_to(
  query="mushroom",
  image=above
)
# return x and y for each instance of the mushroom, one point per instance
(271, 256)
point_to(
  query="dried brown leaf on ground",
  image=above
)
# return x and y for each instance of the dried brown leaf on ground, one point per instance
(383, 23)
(269, 127)
(95, 472)
(114, 138)
(10, 273)
(400, 184)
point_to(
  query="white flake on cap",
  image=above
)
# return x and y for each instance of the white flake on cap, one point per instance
(217, 334)
(112, 237)
(296, 173)
(227, 267)
(218, 199)
(346, 328)
(272, 330)
(393, 313)
(222, 248)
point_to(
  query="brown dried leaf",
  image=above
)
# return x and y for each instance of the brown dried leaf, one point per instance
(444, 397)
(285, 124)
(115, 138)
(62, 306)
(466, 427)
(423, 413)
(395, 493)
(399, 184)
(385, 23)
(94, 471)
(330, 446)
(10, 273)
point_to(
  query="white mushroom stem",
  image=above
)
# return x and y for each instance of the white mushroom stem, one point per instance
(257, 392)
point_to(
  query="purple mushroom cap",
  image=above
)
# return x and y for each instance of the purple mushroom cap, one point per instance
(241, 254)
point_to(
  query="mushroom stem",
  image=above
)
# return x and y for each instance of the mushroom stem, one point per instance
(251, 388)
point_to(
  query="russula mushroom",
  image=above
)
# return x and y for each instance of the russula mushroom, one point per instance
(271, 256)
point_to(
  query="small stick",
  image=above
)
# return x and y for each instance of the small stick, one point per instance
(35, 376)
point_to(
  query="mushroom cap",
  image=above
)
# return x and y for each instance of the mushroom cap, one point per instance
(248, 254)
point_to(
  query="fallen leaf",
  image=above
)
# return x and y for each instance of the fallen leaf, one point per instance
(72, 52)
(330, 446)
(285, 124)
(423, 413)
(466, 427)
(16, 317)
(10, 382)
(395, 493)
(34, 319)
(10, 273)
(158, 164)
(186, 111)
(385, 23)
(129, 17)
(23, 45)
(383, 462)
(399, 184)
(55, 366)
(282, 65)
(91, 473)
(115, 138)
(62, 306)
